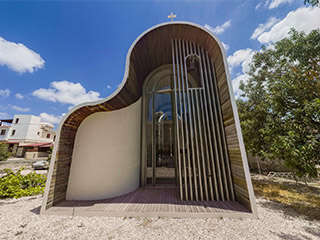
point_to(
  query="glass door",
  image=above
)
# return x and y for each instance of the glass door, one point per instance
(160, 132)
(163, 144)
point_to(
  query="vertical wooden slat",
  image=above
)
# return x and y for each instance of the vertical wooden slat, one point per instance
(184, 90)
(224, 145)
(153, 151)
(211, 108)
(177, 140)
(206, 145)
(196, 137)
(219, 147)
(191, 49)
(190, 125)
(207, 137)
(144, 154)
(181, 123)
(210, 128)
(201, 133)
(201, 145)
(173, 130)
(195, 48)
(186, 48)
(196, 143)
(216, 128)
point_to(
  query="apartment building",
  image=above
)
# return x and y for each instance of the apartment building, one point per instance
(27, 136)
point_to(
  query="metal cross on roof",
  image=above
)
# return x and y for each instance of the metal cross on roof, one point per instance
(172, 16)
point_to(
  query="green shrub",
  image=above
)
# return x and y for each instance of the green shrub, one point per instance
(4, 153)
(15, 185)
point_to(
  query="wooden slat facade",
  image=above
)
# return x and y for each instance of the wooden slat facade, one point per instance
(201, 137)
(150, 51)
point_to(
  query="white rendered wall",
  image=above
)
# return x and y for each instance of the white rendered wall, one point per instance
(6, 135)
(106, 155)
(34, 128)
(21, 127)
(28, 127)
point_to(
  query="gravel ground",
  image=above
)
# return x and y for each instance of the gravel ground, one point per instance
(15, 166)
(20, 219)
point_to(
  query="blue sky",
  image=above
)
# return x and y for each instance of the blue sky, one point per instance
(54, 55)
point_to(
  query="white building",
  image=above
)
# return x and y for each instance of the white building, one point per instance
(27, 136)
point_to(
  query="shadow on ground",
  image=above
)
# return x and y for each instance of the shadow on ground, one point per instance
(289, 197)
(36, 210)
(288, 236)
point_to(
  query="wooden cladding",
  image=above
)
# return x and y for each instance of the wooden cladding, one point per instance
(201, 147)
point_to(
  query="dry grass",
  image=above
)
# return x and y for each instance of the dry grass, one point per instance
(305, 200)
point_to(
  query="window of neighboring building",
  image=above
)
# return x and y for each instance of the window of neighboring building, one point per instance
(3, 132)
(54, 138)
(13, 132)
(17, 120)
(48, 135)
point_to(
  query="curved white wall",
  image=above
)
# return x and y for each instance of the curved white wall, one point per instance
(106, 156)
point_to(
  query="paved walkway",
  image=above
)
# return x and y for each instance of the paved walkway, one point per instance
(150, 202)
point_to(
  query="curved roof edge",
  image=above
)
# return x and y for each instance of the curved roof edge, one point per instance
(127, 65)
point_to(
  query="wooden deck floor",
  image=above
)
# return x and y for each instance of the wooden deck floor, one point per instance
(150, 202)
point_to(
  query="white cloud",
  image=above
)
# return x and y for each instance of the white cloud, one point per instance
(277, 3)
(246, 63)
(50, 118)
(108, 86)
(218, 29)
(258, 5)
(271, 4)
(4, 115)
(19, 109)
(66, 92)
(242, 56)
(18, 57)
(264, 27)
(226, 46)
(302, 19)
(236, 84)
(5, 92)
(19, 96)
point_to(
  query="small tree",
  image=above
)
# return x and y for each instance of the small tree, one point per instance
(4, 153)
(280, 109)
